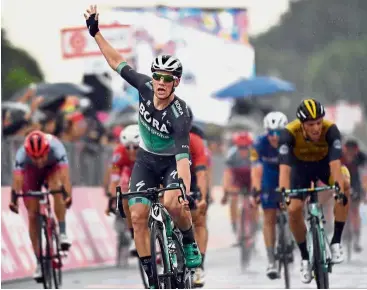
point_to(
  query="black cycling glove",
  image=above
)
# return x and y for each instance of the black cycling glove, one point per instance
(92, 25)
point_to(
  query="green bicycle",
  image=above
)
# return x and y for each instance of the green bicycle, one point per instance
(164, 234)
(317, 242)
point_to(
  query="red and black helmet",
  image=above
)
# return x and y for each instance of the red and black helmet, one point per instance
(36, 144)
(242, 139)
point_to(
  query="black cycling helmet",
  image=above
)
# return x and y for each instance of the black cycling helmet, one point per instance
(310, 109)
(351, 143)
(167, 63)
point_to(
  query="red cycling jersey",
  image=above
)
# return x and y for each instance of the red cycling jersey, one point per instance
(198, 152)
(121, 166)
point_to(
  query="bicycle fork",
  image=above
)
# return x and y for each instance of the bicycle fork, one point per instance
(316, 219)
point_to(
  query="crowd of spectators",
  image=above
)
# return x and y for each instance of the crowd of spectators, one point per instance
(70, 118)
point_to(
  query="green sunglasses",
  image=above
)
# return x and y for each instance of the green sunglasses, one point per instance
(166, 78)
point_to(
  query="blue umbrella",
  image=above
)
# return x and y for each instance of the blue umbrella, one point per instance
(255, 86)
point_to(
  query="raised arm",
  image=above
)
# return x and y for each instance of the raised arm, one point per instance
(113, 57)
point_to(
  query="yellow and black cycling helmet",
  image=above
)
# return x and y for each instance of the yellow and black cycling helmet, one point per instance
(309, 110)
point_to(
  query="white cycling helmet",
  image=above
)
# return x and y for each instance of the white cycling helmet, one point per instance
(275, 120)
(167, 63)
(130, 135)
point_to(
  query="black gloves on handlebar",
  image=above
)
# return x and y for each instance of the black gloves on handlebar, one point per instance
(92, 25)
(256, 195)
(341, 197)
(13, 206)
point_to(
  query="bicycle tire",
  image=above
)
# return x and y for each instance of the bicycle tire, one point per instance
(180, 256)
(157, 234)
(143, 276)
(347, 237)
(283, 257)
(244, 250)
(46, 267)
(56, 259)
(321, 276)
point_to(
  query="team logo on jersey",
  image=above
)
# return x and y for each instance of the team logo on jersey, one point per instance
(284, 149)
(337, 144)
(139, 185)
(178, 107)
(164, 114)
(154, 122)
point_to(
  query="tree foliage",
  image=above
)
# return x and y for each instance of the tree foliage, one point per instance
(320, 45)
(18, 68)
(339, 70)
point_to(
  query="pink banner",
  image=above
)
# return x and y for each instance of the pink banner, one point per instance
(90, 230)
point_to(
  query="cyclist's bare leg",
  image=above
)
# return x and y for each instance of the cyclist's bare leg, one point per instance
(32, 207)
(125, 204)
(233, 209)
(200, 230)
(270, 218)
(325, 198)
(180, 212)
(297, 225)
(340, 210)
(54, 184)
(355, 219)
(139, 218)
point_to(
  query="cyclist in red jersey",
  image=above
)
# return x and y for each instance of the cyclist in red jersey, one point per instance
(237, 175)
(42, 160)
(123, 159)
(199, 191)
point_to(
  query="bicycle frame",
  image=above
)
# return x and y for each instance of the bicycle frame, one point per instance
(319, 253)
(47, 222)
(316, 218)
(158, 213)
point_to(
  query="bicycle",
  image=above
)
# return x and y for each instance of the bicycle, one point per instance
(317, 241)
(349, 235)
(284, 249)
(50, 256)
(162, 230)
(247, 230)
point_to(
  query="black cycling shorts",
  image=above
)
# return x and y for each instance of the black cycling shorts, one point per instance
(303, 173)
(151, 170)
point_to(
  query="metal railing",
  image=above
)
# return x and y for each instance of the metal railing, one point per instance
(88, 162)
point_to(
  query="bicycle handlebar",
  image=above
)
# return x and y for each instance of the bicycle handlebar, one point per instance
(287, 193)
(38, 194)
(153, 192)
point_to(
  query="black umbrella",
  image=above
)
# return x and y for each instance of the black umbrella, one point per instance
(55, 90)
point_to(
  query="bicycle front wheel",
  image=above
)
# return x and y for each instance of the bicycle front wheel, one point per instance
(245, 236)
(283, 255)
(44, 253)
(321, 272)
(183, 275)
(161, 281)
(56, 259)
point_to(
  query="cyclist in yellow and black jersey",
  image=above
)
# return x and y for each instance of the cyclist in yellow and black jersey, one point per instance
(310, 150)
